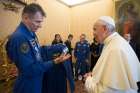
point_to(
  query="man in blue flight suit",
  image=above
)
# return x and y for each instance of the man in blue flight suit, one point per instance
(24, 50)
(59, 76)
(81, 53)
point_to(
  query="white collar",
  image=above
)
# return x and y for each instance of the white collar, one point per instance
(109, 38)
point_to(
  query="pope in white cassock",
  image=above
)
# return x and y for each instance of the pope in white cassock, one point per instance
(118, 68)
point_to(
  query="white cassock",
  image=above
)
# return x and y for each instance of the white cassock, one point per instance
(117, 69)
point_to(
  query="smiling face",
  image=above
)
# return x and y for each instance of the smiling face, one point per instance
(33, 23)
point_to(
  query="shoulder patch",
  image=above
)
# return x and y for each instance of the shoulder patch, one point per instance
(24, 47)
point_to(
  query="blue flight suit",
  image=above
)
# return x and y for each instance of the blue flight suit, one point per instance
(81, 52)
(55, 79)
(24, 50)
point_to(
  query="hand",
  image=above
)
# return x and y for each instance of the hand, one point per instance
(62, 58)
(87, 75)
(13, 72)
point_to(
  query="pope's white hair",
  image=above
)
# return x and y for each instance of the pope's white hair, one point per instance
(109, 22)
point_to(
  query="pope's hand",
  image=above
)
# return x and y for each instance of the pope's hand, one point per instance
(87, 75)
(62, 58)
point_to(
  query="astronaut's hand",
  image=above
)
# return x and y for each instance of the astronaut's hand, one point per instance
(62, 58)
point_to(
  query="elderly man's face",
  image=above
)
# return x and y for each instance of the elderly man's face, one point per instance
(34, 23)
(98, 31)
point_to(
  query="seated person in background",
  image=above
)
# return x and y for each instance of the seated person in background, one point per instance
(57, 39)
(81, 53)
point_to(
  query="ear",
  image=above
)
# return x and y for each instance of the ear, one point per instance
(25, 17)
(105, 31)
(105, 28)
